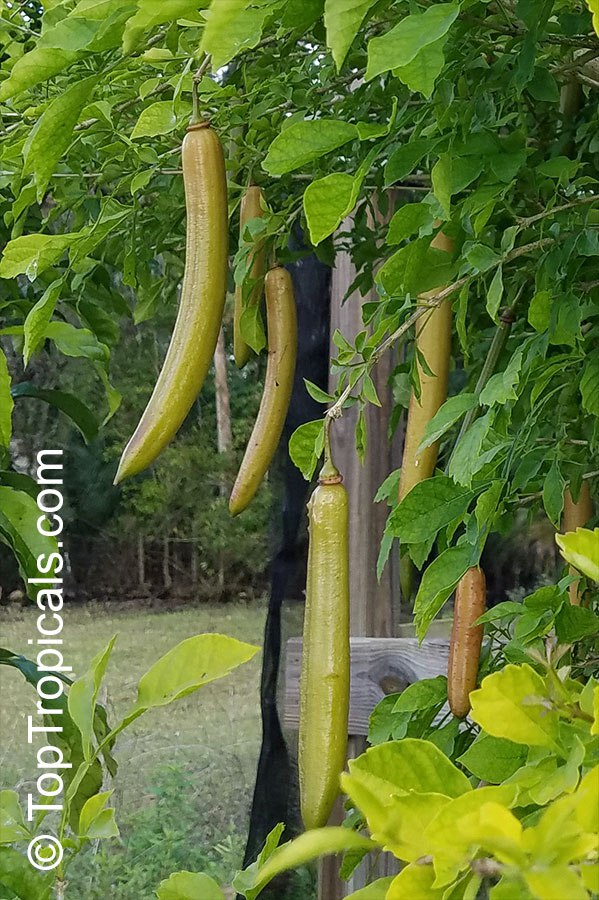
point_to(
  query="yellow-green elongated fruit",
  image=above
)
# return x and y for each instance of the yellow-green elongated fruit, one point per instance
(201, 306)
(251, 208)
(282, 353)
(325, 676)
(577, 514)
(433, 341)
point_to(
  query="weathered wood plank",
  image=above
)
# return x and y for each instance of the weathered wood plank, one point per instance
(379, 666)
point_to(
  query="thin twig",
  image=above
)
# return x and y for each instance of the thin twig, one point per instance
(530, 220)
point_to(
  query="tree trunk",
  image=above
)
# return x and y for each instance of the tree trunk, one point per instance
(224, 435)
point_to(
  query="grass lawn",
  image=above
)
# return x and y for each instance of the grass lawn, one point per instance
(186, 771)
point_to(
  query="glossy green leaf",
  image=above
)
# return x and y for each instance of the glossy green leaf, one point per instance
(511, 704)
(447, 415)
(53, 133)
(189, 886)
(415, 882)
(151, 13)
(589, 386)
(342, 20)
(303, 142)
(428, 507)
(19, 514)
(232, 26)
(12, 821)
(581, 549)
(95, 821)
(158, 118)
(193, 663)
(410, 765)
(79, 414)
(34, 67)
(327, 202)
(31, 254)
(38, 318)
(83, 695)
(305, 447)
(400, 46)
(375, 891)
(438, 582)
(76, 341)
(493, 759)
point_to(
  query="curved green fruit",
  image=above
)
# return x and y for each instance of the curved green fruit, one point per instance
(282, 354)
(251, 208)
(201, 307)
(325, 676)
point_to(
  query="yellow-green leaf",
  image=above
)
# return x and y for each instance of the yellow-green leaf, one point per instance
(556, 883)
(581, 549)
(511, 704)
(415, 883)
(593, 5)
(189, 886)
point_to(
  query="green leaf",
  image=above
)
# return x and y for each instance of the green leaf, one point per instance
(37, 319)
(12, 821)
(317, 393)
(377, 890)
(553, 494)
(158, 118)
(252, 327)
(556, 881)
(303, 142)
(511, 704)
(307, 847)
(83, 695)
(408, 220)
(468, 458)
(76, 341)
(581, 549)
(573, 623)
(501, 387)
(493, 759)
(399, 46)
(415, 882)
(232, 26)
(189, 886)
(421, 72)
(481, 257)
(441, 181)
(428, 507)
(495, 293)
(31, 254)
(53, 133)
(327, 202)
(19, 514)
(342, 20)
(409, 765)
(18, 875)
(589, 385)
(305, 447)
(6, 402)
(80, 414)
(95, 821)
(404, 159)
(188, 666)
(151, 13)
(446, 416)
(40, 64)
(438, 581)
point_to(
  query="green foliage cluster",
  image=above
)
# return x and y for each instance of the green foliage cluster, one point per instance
(87, 741)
